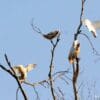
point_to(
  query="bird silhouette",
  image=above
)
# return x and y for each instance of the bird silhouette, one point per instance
(21, 71)
(74, 51)
(92, 26)
(51, 35)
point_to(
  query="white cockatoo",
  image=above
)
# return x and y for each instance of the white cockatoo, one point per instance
(92, 26)
(21, 71)
(51, 35)
(74, 51)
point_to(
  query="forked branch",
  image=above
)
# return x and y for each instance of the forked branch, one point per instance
(76, 65)
(14, 76)
(51, 66)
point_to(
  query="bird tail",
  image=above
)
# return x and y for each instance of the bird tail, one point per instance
(94, 34)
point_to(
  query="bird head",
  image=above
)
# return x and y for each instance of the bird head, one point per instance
(86, 22)
(75, 43)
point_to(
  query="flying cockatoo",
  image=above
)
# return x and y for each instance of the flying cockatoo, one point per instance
(92, 26)
(74, 51)
(51, 35)
(21, 71)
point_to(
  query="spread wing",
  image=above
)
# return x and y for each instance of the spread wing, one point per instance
(92, 26)
(30, 67)
(96, 24)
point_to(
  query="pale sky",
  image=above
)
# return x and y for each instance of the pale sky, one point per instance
(24, 46)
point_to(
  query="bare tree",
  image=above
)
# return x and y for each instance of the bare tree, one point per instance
(57, 92)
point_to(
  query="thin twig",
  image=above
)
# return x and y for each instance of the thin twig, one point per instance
(51, 67)
(61, 72)
(62, 94)
(35, 28)
(36, 94)
(38, 83)
(61, 76)
(17, 93)
(9, 64)
(93, 48)
(80, 24)
(46, 81)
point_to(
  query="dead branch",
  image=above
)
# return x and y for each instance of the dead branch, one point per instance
(38, 83)
(80, 24)
(62, 94)
(76, 65)
(75, 77)
(35, 28)
(55, 76)
(36, 94)
(50, 36)
(17, 93)
(51, 66)
(91, 44)
(61, 75)
(14, 76)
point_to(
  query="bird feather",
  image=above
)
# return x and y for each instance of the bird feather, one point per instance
(96, 24)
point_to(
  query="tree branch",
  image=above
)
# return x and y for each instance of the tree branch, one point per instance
(14, 76)
(35, 28)
(76, 65)
(75, 77)
(80, 24)
(51, 67)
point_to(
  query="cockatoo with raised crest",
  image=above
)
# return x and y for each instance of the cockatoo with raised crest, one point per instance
(74, 51)
(92, 26)
(21, 71)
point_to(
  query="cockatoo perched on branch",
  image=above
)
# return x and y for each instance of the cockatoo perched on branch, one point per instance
(92, 26)
(51, 35)
(74, 51)
(21, 71)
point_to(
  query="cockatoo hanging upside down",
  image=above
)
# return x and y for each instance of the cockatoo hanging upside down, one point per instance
(21, 71)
